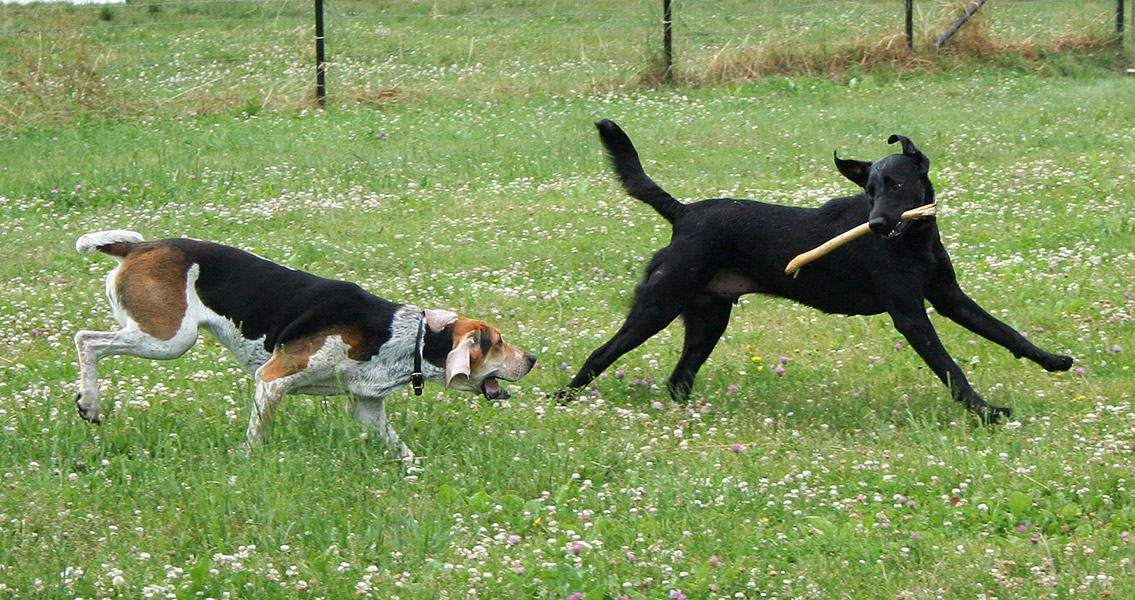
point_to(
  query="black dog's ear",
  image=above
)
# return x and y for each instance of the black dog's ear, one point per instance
(855, 170)
(909, 149)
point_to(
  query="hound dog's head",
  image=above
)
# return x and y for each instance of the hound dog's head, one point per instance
(473, 354)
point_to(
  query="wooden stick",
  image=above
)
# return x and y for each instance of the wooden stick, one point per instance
(793, 268)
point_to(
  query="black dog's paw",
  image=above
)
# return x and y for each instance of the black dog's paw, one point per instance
(1057, 362)
(565, 395)
(992, 415)
(84, 413)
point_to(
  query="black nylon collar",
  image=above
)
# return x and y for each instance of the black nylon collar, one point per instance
(417, 379)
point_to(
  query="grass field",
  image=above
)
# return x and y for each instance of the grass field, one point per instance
(819, 458)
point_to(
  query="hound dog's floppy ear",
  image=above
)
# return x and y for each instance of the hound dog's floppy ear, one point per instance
(459, 360)
(909, 149)
(438, 320)
(855, 170)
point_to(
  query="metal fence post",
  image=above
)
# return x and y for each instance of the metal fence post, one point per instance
(1119, 20)
(320, 64)
(667, 42)
(910, 24)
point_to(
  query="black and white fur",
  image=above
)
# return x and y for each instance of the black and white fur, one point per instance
(297, 333)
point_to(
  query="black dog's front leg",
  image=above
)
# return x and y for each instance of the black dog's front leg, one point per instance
(953, 303)
(912, 322)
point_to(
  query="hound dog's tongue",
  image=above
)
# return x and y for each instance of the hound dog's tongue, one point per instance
(492, 388)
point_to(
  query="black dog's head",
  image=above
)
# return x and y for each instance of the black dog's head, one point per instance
(894, 184)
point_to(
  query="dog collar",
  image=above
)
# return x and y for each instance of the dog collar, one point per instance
(417, 379)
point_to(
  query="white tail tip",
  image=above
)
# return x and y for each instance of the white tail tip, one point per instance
(89, 243)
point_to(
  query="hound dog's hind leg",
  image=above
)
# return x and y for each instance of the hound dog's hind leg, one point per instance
(268, 397)
(95, 345)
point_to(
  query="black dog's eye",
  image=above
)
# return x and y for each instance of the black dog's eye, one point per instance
(896, 187)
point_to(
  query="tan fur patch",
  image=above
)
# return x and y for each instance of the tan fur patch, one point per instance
(116, 249)
(464, 328)
(357, 341)
(151, 287)
(291, 358)
(504, 359)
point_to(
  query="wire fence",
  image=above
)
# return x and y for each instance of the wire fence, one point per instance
(208, 54)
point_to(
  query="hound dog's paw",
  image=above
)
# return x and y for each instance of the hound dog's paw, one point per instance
(88, 414)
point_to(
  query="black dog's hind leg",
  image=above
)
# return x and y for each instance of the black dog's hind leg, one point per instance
(911, 321)
(706, 318)
(641, 324)
(665, 293)
(953, 303)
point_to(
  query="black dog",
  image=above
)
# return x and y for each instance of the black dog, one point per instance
(723, 248)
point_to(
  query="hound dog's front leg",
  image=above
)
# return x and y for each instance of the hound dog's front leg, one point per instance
(268, 397)
(291, 367)
(371, 412)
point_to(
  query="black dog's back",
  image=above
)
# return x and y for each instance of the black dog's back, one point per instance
(723, 248)
(753, 239)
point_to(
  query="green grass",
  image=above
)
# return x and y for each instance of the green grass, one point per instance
(141, 60)
(852, 475)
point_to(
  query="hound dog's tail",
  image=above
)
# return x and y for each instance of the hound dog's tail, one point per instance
(116, 242)
(629, 170)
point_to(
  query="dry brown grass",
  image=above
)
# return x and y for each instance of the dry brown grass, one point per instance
(372, 97)
(45, 84)
(740, 62)
(975, 40)
(52, 71)
(743, 61)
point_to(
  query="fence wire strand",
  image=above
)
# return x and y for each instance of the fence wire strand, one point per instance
(439, 43)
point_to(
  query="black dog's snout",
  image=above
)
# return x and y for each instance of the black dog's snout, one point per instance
(879, 226)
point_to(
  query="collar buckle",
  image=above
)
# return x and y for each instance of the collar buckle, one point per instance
(417, 378)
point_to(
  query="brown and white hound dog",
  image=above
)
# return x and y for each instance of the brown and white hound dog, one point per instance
(295, 332)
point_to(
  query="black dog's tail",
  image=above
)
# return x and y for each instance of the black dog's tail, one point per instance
(629, 170)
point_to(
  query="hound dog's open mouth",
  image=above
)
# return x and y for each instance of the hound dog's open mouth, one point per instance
(492, 389)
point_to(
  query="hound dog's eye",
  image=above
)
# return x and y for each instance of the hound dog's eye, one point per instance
(896, 186)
